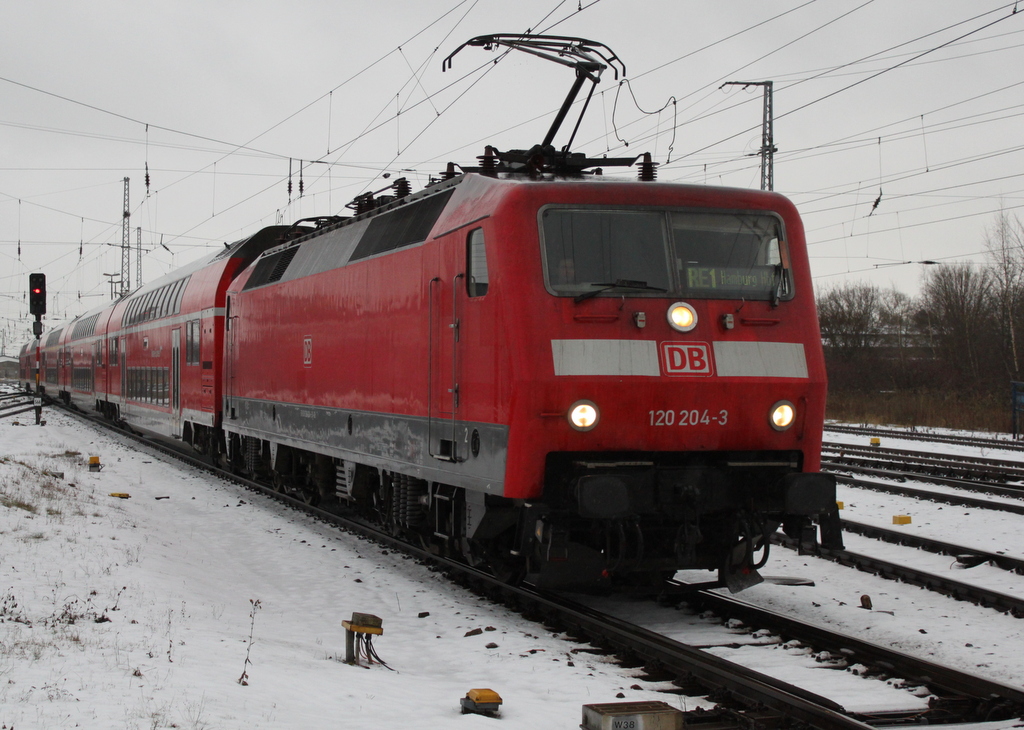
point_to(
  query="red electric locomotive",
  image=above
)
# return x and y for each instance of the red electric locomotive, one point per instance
(574, 380)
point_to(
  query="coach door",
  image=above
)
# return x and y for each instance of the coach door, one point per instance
(123, 358)
(176, 382)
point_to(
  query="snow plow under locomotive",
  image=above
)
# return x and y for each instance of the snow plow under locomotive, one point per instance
(568, 379)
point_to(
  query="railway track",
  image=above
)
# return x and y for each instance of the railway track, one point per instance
(908, 574)
(967, 556)
(902, 476)
(964, 472)
(988, 443)
(914, 463)
(746, 698)
(950, 687)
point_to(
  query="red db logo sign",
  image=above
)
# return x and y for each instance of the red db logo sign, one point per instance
(685, 358)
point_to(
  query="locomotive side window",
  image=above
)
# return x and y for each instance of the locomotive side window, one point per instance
(588, 248)
(730, 255)
(477, 278)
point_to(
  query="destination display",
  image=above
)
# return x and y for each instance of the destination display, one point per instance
(757, 279)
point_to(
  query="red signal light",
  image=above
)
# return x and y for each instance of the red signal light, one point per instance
(37, 294)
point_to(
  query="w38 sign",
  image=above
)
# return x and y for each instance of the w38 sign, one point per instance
(686, 358)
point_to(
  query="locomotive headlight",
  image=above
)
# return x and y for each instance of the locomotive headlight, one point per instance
(583, 415)
(782, 415)
(682, 317)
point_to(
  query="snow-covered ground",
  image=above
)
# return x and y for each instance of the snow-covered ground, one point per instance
(140, 613)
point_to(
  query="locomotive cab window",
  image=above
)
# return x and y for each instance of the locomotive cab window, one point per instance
(587, 249)
(691, 254)
(477, 278)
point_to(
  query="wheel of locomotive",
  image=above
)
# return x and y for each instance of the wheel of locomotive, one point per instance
(508, 569)
(496, 558)
(307, 491)
(219, 457)
(281, 471)
(279, 482)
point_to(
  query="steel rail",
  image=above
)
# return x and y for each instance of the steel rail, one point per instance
(834, 468)
(896, 537)
(934, 437)
(894, 571)
(989, 697)
(949, 464)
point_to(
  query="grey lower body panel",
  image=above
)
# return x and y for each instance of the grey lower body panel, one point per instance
(385, 440)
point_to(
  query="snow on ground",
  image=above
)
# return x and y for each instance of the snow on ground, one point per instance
(138, 613)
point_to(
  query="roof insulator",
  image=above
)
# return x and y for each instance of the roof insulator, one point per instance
(648, 169)
(488, 162)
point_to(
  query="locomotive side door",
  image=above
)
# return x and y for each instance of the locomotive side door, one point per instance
(443, 347)
(229, 362)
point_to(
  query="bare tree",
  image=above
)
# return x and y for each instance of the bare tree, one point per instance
(849, 318)
(958, 302)
(1005, 244)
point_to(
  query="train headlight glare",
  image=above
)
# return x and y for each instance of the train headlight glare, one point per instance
(583, 415)
(682, 317)
(782, 415)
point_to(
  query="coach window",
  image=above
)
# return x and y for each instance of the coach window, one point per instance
(99, 353)
(476, 264)
(176, 287)
(112, 351)
(163, 308)
(192, 340)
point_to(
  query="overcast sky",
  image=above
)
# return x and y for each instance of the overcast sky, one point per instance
(917, 102)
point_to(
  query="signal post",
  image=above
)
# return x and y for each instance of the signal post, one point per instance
(37, 307)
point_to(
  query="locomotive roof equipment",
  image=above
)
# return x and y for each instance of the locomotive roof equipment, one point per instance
(589, 59)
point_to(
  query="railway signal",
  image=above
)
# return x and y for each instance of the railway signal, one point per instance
(37, 294)
(37, 307)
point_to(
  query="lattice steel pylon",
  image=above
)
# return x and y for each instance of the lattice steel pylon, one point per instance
(138, 256)
(126, 245)
(768, 148)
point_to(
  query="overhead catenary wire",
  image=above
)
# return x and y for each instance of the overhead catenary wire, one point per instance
(410, 61)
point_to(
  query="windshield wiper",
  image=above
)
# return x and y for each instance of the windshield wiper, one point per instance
(778, 284)
(618, 284)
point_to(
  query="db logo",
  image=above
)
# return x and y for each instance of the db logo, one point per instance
(686, 358)
(307, 352)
